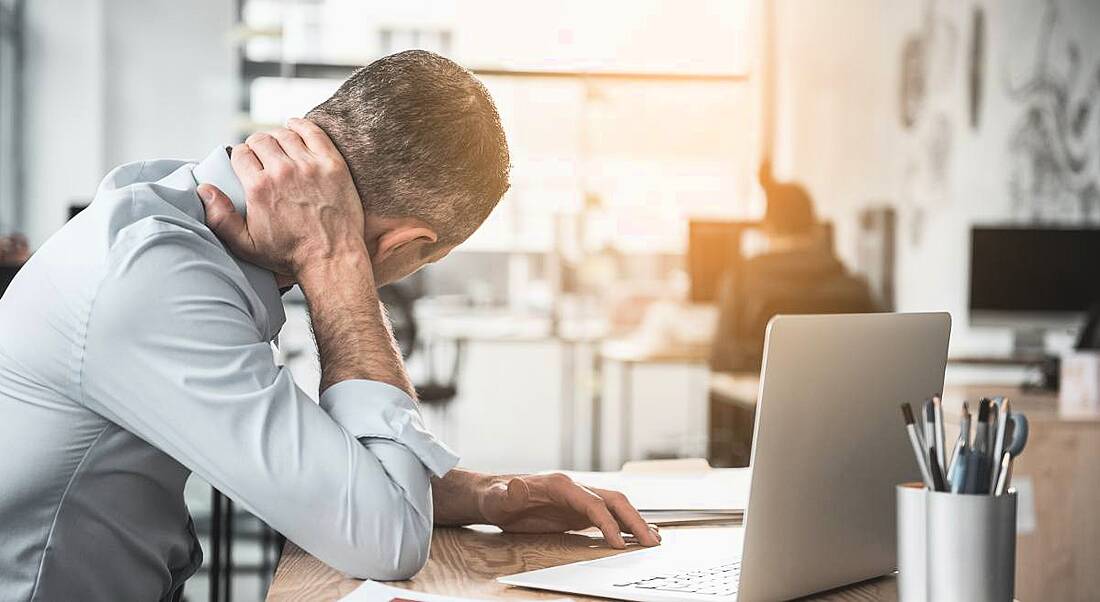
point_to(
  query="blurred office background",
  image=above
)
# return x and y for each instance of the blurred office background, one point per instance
(951, 151)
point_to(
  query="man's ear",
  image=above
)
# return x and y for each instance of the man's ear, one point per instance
(392, 241)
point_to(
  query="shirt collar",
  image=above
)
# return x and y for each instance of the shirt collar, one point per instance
(216, 170)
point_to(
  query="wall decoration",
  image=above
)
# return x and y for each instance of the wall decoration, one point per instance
(912, 93)
(1054, 146)
(976, 72)
(928, 67)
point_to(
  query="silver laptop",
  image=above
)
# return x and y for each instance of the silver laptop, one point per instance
(829, 446)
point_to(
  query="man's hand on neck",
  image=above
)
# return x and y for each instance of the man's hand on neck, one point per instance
(305, 223)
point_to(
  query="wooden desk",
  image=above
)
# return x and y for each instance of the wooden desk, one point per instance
(466, 563)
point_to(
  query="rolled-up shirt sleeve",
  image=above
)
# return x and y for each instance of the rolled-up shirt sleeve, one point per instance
(370, 409)
(172, 352)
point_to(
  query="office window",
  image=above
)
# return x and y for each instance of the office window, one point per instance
(637, 115)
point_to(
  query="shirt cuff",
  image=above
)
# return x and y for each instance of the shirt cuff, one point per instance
(373, 409)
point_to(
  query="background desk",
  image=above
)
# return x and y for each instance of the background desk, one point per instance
(466, 562)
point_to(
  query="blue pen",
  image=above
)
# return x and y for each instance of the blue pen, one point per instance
(960, 443)
(960, 466)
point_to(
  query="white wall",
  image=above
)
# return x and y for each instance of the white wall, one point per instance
(111, 81)
(839, 128)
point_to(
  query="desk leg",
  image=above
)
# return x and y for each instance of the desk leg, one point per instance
(569, 403)
(227, 584)
(215, 544)
(626, 403)
(596, 443)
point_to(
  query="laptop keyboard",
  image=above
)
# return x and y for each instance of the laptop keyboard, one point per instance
(720, 580)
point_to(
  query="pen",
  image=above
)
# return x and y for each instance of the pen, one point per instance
(918, 446)
(938, 482)
(961, 444)
(958, 479)
(999, 442)
(970, 471)
(928, 414)
(1002, 478)
(977, 477)
(941, 443)
(994, 414)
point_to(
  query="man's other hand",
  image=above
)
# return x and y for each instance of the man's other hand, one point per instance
(303, 208)
(553, 502)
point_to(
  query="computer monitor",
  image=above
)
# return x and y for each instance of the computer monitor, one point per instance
(714, 247)
(1032, 279)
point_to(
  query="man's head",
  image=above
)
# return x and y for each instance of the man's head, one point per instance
(790, 210)
(427, 153)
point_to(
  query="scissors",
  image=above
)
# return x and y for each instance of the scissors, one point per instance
(1010, 446)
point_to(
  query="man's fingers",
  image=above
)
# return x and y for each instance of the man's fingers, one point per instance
(591, 506)
(244, 162)
(292, 143)
(267, 150)
(597, 512)
(224, 220)
(315, 138)
(629, 519)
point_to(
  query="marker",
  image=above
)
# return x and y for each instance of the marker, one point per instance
(918, 446)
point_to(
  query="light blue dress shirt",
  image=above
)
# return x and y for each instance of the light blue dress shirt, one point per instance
(135, 350)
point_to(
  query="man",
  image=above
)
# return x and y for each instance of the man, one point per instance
(135, 349)
(794, 270)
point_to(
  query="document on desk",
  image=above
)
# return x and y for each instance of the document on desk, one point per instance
(719, 490)
(373, 591)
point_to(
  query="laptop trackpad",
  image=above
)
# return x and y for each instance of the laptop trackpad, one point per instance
(687, 547)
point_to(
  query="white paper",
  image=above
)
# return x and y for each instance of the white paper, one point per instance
(721, 489)
(373, 591)
(1025, 505)
(676, 517)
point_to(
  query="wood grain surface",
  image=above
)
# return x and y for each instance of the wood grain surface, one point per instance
(465, 562)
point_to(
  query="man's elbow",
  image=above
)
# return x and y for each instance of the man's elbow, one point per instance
(397, 555)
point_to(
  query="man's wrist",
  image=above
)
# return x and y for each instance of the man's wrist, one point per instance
(321, 273)
(458, 497)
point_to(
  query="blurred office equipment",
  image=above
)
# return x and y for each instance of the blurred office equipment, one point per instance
(1032, 280)
(14, 252)
(7, 274)
(713, 248)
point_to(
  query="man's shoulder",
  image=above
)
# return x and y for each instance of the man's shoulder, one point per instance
(139, 172)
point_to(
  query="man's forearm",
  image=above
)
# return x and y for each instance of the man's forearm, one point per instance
(457, 497)
(353, 336)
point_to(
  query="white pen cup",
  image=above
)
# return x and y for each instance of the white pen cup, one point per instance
(912, 536)
(955, 547)
(971, 547)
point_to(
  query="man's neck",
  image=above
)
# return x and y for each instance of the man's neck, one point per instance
(283, 281)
